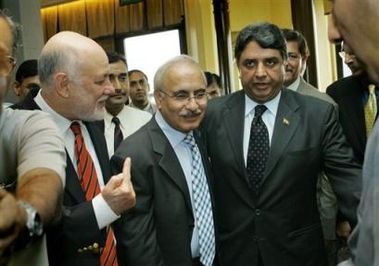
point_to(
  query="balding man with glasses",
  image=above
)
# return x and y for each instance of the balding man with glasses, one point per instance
(32, 163)
(172, 222)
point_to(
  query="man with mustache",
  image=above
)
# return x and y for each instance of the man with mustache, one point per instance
(168, 226)
(267, 145)
(120, 118)
(74, 76)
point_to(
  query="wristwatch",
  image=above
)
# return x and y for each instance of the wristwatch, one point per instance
(33, 220)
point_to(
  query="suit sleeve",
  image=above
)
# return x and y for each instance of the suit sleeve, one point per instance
(344, 173)
(135, 231)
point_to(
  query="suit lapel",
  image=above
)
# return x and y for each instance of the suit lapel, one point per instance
(73, 186)
(232, 114)
(353, 97)
(100, 145)
(169, 162)
(286, 123)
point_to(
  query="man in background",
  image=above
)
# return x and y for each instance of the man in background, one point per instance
(214, 87)
(139, 91)
(74, 75)
(355, 22)
(26, 79)
(120, 120)
(32, 175)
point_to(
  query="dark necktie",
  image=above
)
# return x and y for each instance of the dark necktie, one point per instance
(258, 150)
(118, 137)
(90, 186)
(202, 205)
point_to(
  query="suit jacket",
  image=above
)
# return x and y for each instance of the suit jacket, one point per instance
(348, 93)
(327, 200)
(283, 223)
(307, 89)
(78, 226)
(158, 230)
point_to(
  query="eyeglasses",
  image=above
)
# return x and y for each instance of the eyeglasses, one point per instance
(184, 98)
(7, 65)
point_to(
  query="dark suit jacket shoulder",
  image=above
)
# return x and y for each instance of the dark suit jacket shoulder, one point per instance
(347, 93)
(307, 89)
(307, 138)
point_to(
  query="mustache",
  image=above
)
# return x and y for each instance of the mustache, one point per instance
(190, 113)
(118, 92)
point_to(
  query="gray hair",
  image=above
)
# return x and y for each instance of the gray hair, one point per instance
(162, 70)
(54, 60)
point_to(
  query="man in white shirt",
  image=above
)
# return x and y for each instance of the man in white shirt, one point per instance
(74, 75)
(129, 119)
(139, 91)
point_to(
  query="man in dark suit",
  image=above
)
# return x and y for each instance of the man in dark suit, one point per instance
(265, 194)
(74, 75)
(351, 93)
(297, 56)
(167, 226)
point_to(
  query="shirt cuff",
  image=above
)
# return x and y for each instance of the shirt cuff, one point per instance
(104, 214)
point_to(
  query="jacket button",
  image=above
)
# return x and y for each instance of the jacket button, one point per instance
(257, 212)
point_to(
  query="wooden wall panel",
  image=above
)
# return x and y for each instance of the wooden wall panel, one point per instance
(72, 17)
(100, 18)
(122, 18)
(136, 12)
(49, 18)
(154, 13)
(107, 43)
(172, 12)
(97, 19)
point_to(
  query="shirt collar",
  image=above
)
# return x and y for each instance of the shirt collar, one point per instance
(62, 122)
(272, 105)
(295, 85)
(174, 136)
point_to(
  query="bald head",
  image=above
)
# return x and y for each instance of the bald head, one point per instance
(68, 52)
(74, 75)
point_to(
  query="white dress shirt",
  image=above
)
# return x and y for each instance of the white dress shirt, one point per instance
(104, 214)
(131, 120)
(268, 118)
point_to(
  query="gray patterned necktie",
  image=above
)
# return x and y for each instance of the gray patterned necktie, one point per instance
(258, 150)
(202, 205)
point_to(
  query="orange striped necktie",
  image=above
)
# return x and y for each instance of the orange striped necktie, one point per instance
(90, 186)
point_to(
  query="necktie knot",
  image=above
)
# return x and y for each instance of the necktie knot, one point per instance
(371, 89)
(190, 140)
(75, 127)
(259, 110)
(116, 120)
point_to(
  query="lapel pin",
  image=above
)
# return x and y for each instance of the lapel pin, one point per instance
(286, 121)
